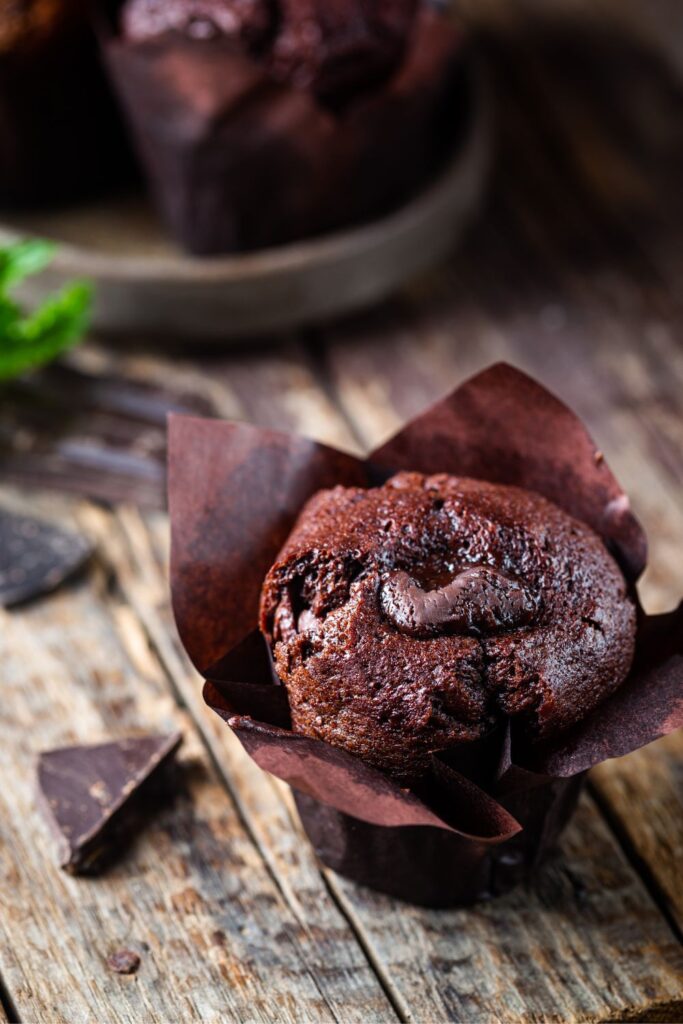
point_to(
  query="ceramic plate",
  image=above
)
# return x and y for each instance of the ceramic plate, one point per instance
(145, 284)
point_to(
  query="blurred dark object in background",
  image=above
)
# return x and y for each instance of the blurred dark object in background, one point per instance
(332, 121)
(578, 254)
(60, 133)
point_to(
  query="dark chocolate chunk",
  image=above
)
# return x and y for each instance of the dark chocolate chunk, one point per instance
(36, 557)
(124, 961)
(88, 793)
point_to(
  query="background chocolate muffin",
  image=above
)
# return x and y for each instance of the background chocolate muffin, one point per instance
(60, 132)
(260, 122)
(412, 618)
(332, 48)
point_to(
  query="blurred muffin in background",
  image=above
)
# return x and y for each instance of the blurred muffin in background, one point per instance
(60, 134)
(260, 122)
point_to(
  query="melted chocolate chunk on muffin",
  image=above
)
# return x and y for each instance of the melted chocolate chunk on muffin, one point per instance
(410, 618)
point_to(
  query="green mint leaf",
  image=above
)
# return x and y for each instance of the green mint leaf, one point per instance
(9, 314)
(28, 341)
(23, 259)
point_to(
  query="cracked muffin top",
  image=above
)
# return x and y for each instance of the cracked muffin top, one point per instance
(333, 48)
(407, 619)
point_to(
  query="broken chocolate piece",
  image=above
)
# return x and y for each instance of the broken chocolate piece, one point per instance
(479, 601)
(36, 557)
(85, 791)
(124, 961)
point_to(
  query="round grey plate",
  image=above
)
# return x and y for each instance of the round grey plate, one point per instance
(143, 283)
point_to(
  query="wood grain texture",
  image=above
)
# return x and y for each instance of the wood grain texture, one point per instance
(96, 424)
(578, 945)
(218, 938)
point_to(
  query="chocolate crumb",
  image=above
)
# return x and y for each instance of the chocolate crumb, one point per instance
(124, 961)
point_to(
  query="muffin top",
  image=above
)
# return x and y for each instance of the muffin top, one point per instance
(333, 48)
(28, 23)
(411, 618)
(250, 21)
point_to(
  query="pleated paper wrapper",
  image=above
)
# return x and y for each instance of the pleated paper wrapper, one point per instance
(235, 492)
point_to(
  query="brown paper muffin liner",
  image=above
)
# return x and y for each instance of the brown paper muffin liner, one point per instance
(236, 161)
(489, 813)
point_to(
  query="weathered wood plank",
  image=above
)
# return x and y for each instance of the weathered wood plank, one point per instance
(218, 939)
(96, 425)
(644, 792)
(643, 795)
(581, 944)
(135, 546)
(271, 384)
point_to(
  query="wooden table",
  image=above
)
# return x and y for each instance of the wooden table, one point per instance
(573, 273)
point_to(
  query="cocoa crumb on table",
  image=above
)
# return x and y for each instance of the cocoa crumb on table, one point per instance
(124, 961)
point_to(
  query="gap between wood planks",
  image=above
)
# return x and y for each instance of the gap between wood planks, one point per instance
(313, 348)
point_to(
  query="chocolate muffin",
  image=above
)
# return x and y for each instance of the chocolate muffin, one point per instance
(260, 122)
(60, 134)
(418, 616)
